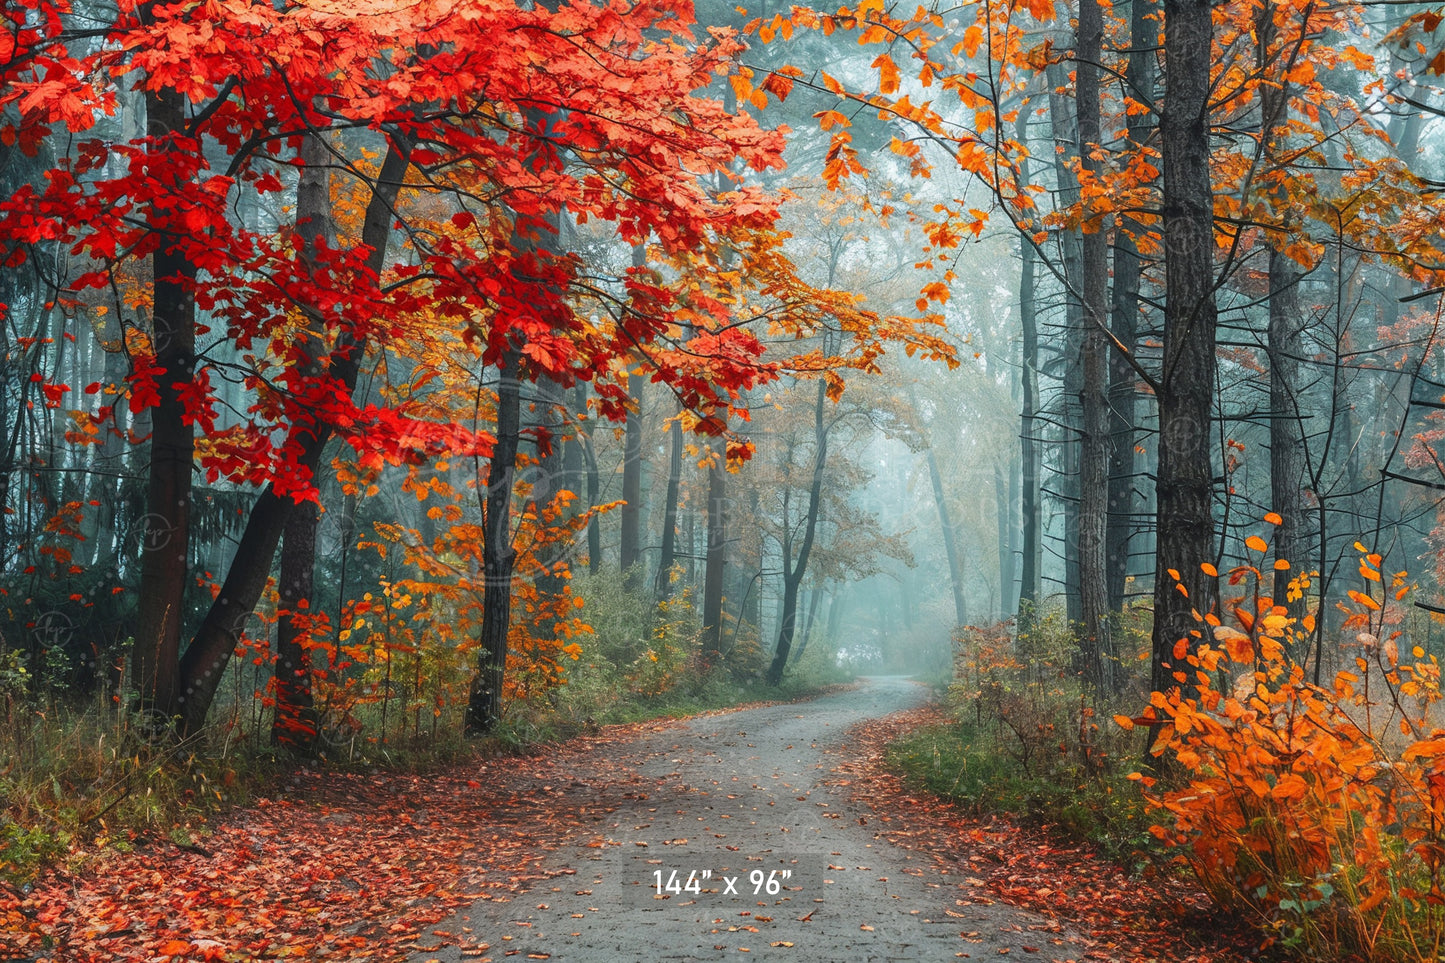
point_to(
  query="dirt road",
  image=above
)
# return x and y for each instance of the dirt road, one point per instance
(732, 835)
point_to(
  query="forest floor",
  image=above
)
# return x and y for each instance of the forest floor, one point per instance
(555, 856)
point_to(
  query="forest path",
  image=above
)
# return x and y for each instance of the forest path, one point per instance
(730, 801)
(552, 856)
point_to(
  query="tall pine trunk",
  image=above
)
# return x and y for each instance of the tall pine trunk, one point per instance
(1028, 440)
(1004, 526)
(1096, 644)
(1185, 490)
(295, 724)
(551, 480)
(950, 539)
(1128, 272)
(1064, 122)
(1028, 416)
(583, 442)
(1288, 472)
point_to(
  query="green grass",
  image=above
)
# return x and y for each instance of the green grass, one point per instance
(1104, 809)
(74, 776)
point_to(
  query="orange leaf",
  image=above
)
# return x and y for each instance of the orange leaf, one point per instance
(1239, 646)
(1427, 747)
(1256, 543)
(887, 74)
(1360, 598)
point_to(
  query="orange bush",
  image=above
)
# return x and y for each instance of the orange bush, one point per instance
(1320, 808)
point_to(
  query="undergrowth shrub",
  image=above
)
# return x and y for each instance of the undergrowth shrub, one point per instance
(390, 685)
(640, 659)
(1318, 810)
(1027, 740)
(92, 771)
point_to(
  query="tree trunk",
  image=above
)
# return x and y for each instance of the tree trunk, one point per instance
(1288, 472)
(716, 554)
(166, 527)
(836, 606)
(1028, 442)
(205, 658)
(1185, 526)
(1011, 604)
(1128, 271)
(662, 589)
(573, 459)
(295, 724)
(1005, 550)
(815, 597)
(594, 487)
(551, 556)
(950, 539)
(1096, 643)
(793, 571)
(1064, 123)
(484, 703)
(630, 553)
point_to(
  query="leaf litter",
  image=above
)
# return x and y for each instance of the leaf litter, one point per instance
(359, 867)
(1118, 916)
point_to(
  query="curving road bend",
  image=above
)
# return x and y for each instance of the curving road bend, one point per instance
(724, 837)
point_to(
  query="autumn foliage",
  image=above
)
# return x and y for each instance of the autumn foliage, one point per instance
(1317, 808)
